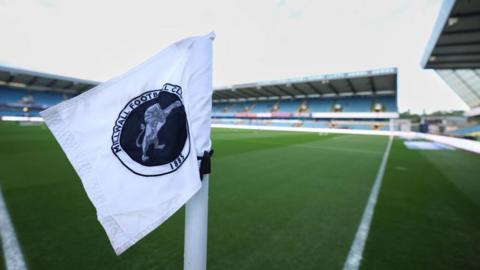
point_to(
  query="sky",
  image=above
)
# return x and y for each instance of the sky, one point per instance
(256, 40)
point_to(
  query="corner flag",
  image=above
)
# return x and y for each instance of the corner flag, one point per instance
(135, 140)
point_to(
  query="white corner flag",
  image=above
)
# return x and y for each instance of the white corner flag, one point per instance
(135, 140)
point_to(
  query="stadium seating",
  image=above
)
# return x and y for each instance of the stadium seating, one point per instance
(320, 105)
(219, 107)
(389, 103)
(47, 98)
(9, 95)
(263, 106)
(355, 104)
(289, 105)
(14, 101)
(347, 104)
(475, 129)
(234, 107)
(243, 106)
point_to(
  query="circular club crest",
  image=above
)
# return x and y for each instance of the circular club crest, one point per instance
(150, 136)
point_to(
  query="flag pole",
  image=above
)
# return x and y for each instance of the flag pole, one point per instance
(196, 223)
(196, 209)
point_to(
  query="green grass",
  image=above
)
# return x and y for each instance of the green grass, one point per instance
(428, 215)
(278, 200)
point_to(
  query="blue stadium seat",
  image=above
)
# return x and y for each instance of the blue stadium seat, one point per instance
(242, 106)
(389, 102)
(14, 96)
(263, 106)
(348, 104)
(319, 105)
(47, 98)
(355, 104)
(9, 95)
(467, 130)
(289, 105)
(219, 107)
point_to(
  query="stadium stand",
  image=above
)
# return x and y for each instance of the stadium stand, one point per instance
(453, 52)
(362, 100)
(348, 104)
(9, 95)
(47, 98)
(263, 106)
(357, 100)
(289, 106)
(26, 93)
(467, 131)
(20, 102)
(320, 105)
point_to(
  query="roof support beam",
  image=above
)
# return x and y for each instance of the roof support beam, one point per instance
(225, 94)
(298, 89)
(372, 84)
(459, 32)
(332, 88)
(10, 78)
(466, 61)
(283, 90)
(470, 43)
(249, 92)
(315, 89)
(32, 81)
(69, 85)
(258, 93)
(457, 54)
(86, 87)
(352, 87)
(236, 94)
(466, 14)
(220, 94)
(269, 91)
(50, 84)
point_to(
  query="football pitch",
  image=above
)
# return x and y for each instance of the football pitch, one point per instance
(278, 200)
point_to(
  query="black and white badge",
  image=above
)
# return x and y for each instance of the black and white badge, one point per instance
(150, 136)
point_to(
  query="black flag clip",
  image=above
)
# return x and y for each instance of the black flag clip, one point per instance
(205, 163)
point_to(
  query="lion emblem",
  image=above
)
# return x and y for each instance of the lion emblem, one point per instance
(155, 117)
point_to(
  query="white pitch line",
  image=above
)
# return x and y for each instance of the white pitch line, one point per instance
(356, 250)
(11, 249)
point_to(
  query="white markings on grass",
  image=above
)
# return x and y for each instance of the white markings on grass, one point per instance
(11, 249)
(356, 250)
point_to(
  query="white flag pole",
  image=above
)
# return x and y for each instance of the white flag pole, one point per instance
(196, 210)
(196, 223)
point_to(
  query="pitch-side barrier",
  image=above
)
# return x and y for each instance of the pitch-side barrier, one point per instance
(463, 144)
(21, 118)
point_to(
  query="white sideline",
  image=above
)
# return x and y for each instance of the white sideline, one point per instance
(356, 250)
(11, 249)
(304, 129)
(468, 145)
